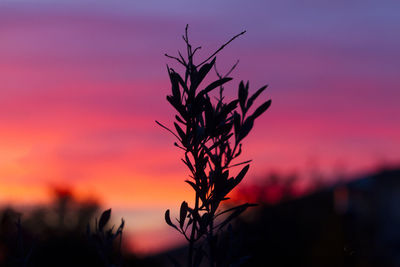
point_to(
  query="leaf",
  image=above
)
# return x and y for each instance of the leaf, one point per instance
(236, 123)
(241, 174)
(175, 85)
(183, 213)
(177, 105)
(204, 71)
(168, 220)
(240, 163)
(245, 206)
(180, 80)
(214, 85)
(230, 107)
(180, 132)
(261, 109)
(172, 100)
(223, 129)
(239, 152)
(236, 212)
(253, 97)
(179, 119)
(195, 187)
(193, 78)
(209, 113)
(121, 226)
(229, 185)
(188, 163)
(242, 95)
(166, 128)
(246, 128)
(104, 218)
(204, 221)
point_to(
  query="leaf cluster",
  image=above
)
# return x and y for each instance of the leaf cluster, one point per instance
(103, 239)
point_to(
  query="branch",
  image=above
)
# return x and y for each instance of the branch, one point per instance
(222, 47)
(166, 128)
(241, 163)
(177, 59)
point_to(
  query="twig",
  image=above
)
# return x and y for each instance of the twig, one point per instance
(177, 59)
(222, 47)
(166, 128)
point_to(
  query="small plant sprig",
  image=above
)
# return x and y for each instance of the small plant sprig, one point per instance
(103, 239)
(210, 132)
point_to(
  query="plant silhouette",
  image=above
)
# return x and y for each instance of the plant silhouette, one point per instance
(210, 131)
(54, 235)
(104, 239)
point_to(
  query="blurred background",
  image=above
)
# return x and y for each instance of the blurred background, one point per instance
(82, 83)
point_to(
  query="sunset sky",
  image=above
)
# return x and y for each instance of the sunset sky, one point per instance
(82, 83)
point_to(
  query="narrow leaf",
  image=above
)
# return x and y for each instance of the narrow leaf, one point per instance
(246, 128)
(261, 109)
(104, 218)
(204, 71)
(175, 85)
(183, 213)
(214, 85)
(195, 187)
(180, 80)
(168, 220)
(177, 105)
(230, 107)
(237, 211)
(179, 119)
(241, 174)
(242, 95)
(239, 152)
(253, 97)
(180, 132)
(166, 128)
(188, 163)
(245, 206)
(236, 123)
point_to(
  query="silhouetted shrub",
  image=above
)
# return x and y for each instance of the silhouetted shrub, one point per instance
(59, 235)
(210, 133)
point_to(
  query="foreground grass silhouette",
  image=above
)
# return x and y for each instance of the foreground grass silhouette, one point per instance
(210, 131)
(59, 235)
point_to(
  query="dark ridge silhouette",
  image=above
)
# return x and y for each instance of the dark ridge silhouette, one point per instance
(349, 224)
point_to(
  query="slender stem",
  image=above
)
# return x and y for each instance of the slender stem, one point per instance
(193, 234)
(192, 239)
(222, 47)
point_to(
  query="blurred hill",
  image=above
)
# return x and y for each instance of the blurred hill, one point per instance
(348, 224)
